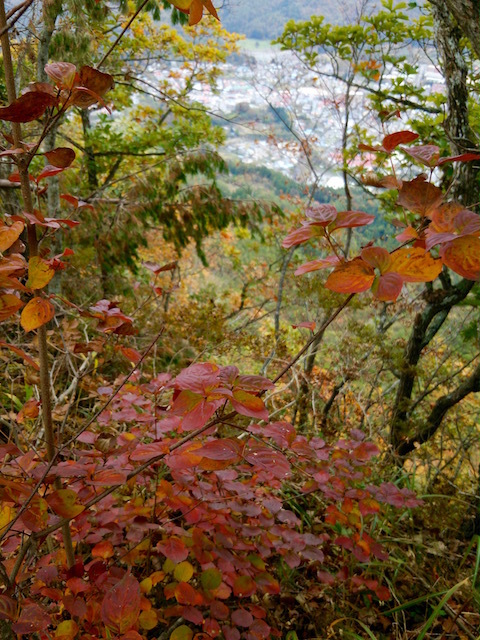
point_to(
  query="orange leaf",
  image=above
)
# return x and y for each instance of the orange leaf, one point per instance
(64, 503)
(419, 196)
(38, 312)
(415, 265)
(30, 409)
(351, 277)
(10, 234)
(377, 257)
(9, 304)
(462, 255)
(103, 549)
(39, 273)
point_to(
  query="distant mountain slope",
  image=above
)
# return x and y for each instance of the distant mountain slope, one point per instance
(265, 20)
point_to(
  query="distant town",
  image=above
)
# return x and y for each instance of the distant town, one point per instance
(272, 109)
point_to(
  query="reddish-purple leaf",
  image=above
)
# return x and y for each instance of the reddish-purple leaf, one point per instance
(242, 618)
(173, 549)
(321, 214)
(268, 459)
(351, 219)
(427, 154)
(32, 619)
(28, 107)
(225, 449)
(121, 605)
(387, 287)
(62, 73)
(8, 608)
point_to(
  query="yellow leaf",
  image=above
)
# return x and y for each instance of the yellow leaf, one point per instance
(39, 273)
(415, 265)
(6, 515)
(183, 572)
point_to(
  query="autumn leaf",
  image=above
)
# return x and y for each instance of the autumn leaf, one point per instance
(121, 605)
(38, 312)
(9, 304)
(415, 265)
(30, 106)
(32, 619)
(39, 273)
(64, 502)
(351, 277)
(462, 255)
(9, 234)
(61, 157)
(62, 73)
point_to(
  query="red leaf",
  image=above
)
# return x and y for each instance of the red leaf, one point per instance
(32, 620)
(185, 594)
(299, 236)
(351, 219)
(60, 157)
(242, 618)
(392, 141)
(387, 287)
(246, 404)
(28, 107)
(321, 214)
(173, 549)
(78, 204)
(121, 605)
(464, 157)
(269, 459)
(244, 587)
(8, 608)
(48, 171)
(92, 85)
(315, 265)
(224, 449)
(427, 154)
(109, 478)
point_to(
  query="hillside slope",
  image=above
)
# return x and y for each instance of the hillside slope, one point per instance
(265, 21)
